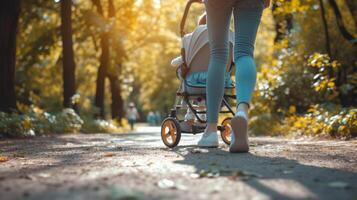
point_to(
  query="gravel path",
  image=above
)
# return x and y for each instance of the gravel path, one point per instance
(138, 166)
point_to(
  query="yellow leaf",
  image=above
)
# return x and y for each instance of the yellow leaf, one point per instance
(26, 123)
(109, 154)
(292, 109)
(315, 130)
(331, 84)
(3, 158)
(297, 124)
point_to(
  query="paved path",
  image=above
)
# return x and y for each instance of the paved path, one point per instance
(138, 166)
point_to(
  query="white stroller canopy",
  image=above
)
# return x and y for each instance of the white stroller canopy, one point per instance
(196, 40)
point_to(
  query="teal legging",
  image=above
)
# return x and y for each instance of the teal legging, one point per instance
(247, 14)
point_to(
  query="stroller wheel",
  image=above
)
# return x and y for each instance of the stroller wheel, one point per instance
(226, 130)
(170, 132)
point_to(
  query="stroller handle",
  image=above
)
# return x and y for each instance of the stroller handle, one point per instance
(184, 17)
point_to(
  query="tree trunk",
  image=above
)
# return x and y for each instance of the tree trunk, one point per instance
(104, 59)
(9, 17)
(352, 6)
(117, 100)
(283, 24)
(325, 25)
(69, 88)
(102, 72)
(342, 72)
(341, 26)
(327, 34)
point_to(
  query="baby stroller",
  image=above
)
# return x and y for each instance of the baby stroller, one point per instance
(191, 95)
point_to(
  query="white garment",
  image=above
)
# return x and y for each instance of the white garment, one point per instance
(132, 113)
(193, 42)
(177, 61)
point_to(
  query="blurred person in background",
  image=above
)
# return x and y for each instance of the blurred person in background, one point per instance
(157, 118)
(132, 115)
(151, 118)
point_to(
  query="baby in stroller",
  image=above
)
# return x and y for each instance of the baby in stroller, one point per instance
(193, 82)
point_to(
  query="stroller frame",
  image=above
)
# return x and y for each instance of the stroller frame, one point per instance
(170, 127)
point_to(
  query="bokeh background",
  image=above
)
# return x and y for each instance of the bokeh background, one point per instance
(80, 63)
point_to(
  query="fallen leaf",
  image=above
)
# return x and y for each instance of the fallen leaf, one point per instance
(241, 174)
(209, 173)
(195, 151)
(166, 184)
(195, 175)
(43, 175)
(242, 178)
(28, 177)
(109, 154)
(252, 174)
(4, 159)
(338, 184)
(253, 144)
(19, 155)
(169, 184)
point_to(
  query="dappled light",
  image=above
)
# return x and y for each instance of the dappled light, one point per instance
(107, 99)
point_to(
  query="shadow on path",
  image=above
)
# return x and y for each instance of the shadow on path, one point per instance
(267, 174)
(275, 176)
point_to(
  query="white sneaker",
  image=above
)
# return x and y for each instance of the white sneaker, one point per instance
(208, 140)
(239, 135)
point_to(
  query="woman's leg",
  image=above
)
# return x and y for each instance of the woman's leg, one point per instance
(246, 21)
(218, 18)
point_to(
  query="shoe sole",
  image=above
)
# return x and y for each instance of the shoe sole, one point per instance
(239, 126)
(208, 146)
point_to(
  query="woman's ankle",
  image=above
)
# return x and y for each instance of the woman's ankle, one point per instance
(243, 107)
(211, 127)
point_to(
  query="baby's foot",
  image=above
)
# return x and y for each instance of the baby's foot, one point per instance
(239, 135)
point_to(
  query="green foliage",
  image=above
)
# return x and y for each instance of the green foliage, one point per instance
(34, 121)
(265, 124)
(15, 125)
(302, 90)
(329, 120)
(104, 126)
(324, 70)
(67, 121)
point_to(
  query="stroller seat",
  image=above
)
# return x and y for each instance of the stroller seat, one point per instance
(199, 80)
(196, 83)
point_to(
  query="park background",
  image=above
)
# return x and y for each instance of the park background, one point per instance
(77, 64)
